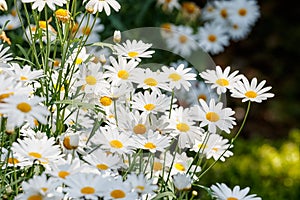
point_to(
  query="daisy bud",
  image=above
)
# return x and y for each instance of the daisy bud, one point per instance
(117, 37)
(3, 5)
(194, 193)
(102, 59)
(62, 15)
(90, 10)
(71, 141)
(182, 181)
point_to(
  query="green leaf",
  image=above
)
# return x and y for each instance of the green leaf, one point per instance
(164, 194)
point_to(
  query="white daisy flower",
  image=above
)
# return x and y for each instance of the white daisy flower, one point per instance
(151, 103)
(214, 147)
(152, 141)
(122, 71)
(179, 77)
(244, 12)
(84, 185)
(40, 4)
(89, 28)
(5, 57)
(117, 189)
(182, 181)
(221, 80)
(182, 41)
(39, 187)
(97, 6)
(166, 30)
(222, 191)
(133, 50)
(148, 79)
(140, 184)
(76, 57)
(221, 14)
(181, 163)
(44, 150)
(251, 91)
(200, 90)
(31, 33)
(169, 5)
(19, 109)
(25, 74)
(209, 11)
(103, 161)
(212, 38)
(237, 31)
(11, 20)
(214, 115)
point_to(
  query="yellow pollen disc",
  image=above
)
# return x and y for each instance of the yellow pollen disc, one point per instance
(150, 82)
(215, 149)
(212, 116)
(12, 161)
(13, 13)
(116, 144)
(232, 198)
(87, 190)
(90, 80)
(24, 107)
(210, 9)
(212, 38)
(61, 12)
(56, 63)
(149, 106)
(106, 101)
(150, 145)
(117, 194)
(223, 13)
(78, 61)
(123, 74)
(235, 26)
(3, 96)
(102, 166)
(23, 78)
(183, 127)
(167, 27)
(63, 174)
(35, 197)
(42, 24)
(168, 1)
(35, 154)
(183, 39)
(242, 12)
(133, 54)
(251, 94)
(157, 166)
(36, 122)
(190, 7)
(222, 82)
(139, 129)
(175, 77)
(44, 189)
(74, 28)
(202, 96)
(179, 167)
(9, 27)
(202, 146)
(86, 30)
(140, 187)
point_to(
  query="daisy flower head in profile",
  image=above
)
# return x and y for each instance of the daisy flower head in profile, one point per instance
(40, 4)
(182, 41)
(212, 38)
(168, 5)
(25, 74)
(141, 184)
(20, 109)
(220, 80)
(179, 77)
(215, 116)
(134, 50)
(222, 191)
(251, 91)
(182, 181)
(5, 56)
(209, 11)
(117, 189)
(11, 20)
(98, 6)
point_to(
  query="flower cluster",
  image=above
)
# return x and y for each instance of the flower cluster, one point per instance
(79, 121)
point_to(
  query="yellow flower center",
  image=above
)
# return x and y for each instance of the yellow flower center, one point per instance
(78, 61)
(67, 143)
(189, 7)
(149, 106)
(223, 13)
(12, 161)
(116, 144)
(215, 149)
(140, 187)
(235, 26)
(117, 194)
(63, 174)
(3, 96)
(43, 24)
(133, 54)
(179, 167)
(87, 190)
(157, 166)
(102, 166)
(183, 39)
(212, 38)
(86, 30)
(150, 82)
(13, 13)
(167, 27)
(10, 27)
(202, 146)
(62, 15)
(23, 78)
(139, 129)
(150, 145)
(44, 189)
(183, 127)
(242, 12)
(123, 74)
(90, 80)
(106, 101)
(35, 197)
(35, 154)
(232, 198)
(222, 82)
(174, 77)
(212, 116)
(251, 94)
(24, 107)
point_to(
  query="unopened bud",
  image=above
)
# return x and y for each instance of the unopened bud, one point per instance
(3, 5)
(71, 141)
(117, 37)
(62, 15)
(194, 193)
(90, 10)
(102, 59)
